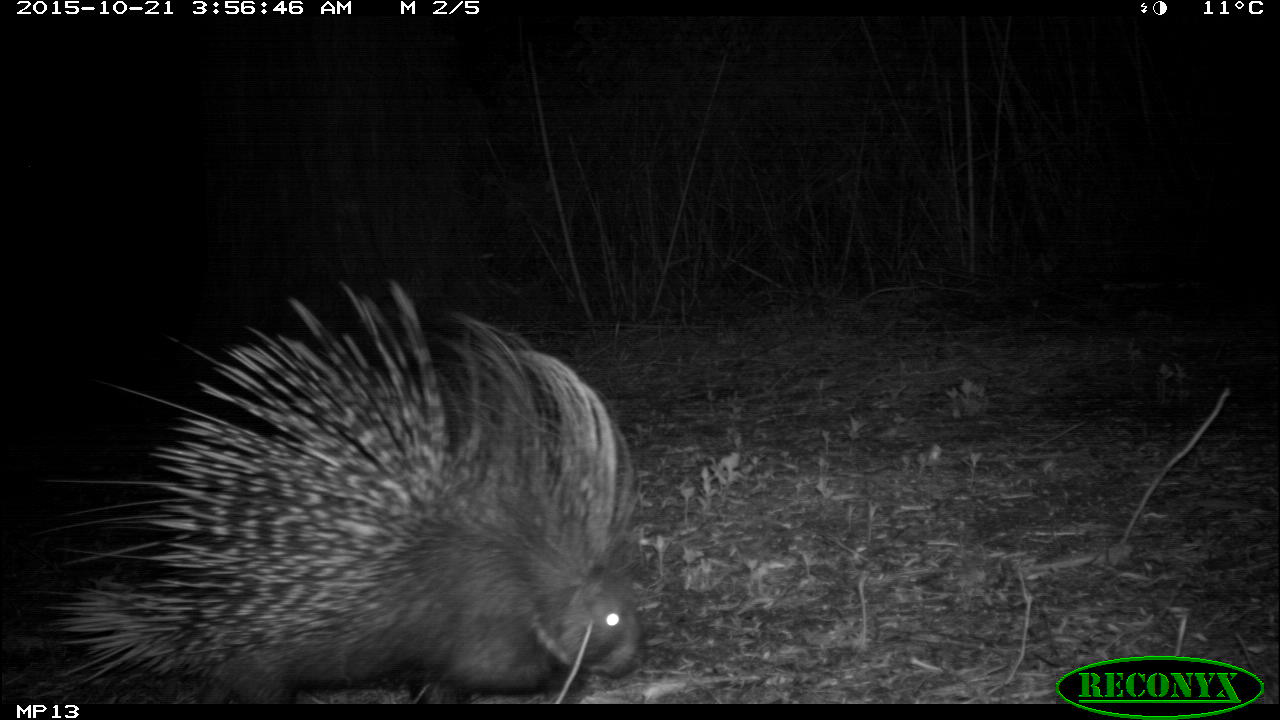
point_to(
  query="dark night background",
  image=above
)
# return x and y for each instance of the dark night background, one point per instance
(183, 182)
(179, 179)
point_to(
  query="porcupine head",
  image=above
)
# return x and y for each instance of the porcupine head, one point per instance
(518, 620)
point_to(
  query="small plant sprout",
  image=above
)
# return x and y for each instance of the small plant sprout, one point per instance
(855, 427)
(967, 400)
(972, 461)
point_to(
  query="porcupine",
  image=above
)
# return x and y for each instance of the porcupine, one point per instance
(455, 509)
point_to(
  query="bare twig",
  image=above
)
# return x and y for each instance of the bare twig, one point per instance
(1226, 392)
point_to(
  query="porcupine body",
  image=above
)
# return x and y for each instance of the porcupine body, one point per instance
(456, 510)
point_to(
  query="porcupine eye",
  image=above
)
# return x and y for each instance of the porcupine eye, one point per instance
(608, 614)
(613, 617)
(615, 639)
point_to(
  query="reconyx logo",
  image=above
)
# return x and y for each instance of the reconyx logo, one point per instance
(1159, 687)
